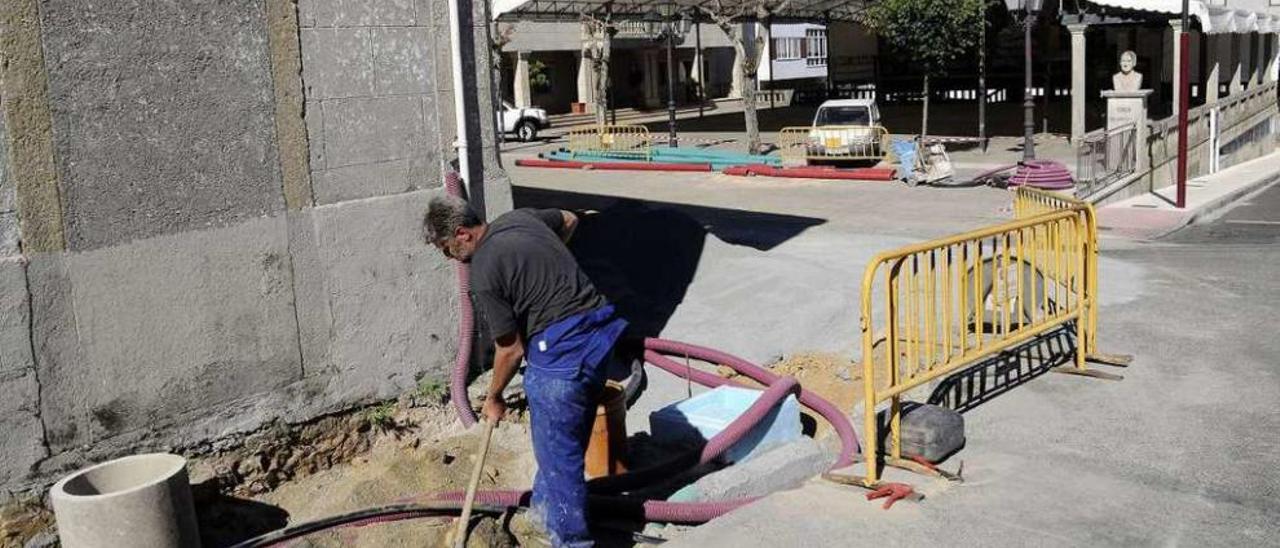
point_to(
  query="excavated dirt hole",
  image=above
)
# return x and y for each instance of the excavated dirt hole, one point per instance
(405, 452)
(834, 377)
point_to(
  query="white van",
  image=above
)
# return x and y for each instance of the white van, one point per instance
(847, 129)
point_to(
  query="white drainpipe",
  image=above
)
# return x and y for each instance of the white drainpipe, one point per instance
(459, 100)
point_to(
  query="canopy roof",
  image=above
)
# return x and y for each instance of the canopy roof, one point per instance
(1212, 19)
(814, 11)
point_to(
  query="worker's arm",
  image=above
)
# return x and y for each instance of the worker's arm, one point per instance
(568, 226)
(508, 351)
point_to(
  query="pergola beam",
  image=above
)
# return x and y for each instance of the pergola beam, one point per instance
(796, 11)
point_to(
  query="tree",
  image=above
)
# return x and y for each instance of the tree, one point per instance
(932, 33)
(730, 21)
(499, 38)
(599, 33)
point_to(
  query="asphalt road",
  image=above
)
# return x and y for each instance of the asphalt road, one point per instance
(1255, 220)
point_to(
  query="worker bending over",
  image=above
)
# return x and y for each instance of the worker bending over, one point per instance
(539, 306)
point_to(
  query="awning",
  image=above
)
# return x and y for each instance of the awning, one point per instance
(813, 11)
(1213, 19)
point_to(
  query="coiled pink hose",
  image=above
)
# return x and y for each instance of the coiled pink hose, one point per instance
(1044, 174)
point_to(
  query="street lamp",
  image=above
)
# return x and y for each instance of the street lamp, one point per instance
(664, 26)
(1031, 9)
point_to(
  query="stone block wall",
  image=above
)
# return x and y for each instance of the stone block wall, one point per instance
(210, 219)
(370, 79)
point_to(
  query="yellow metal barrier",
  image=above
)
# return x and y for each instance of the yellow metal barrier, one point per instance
(1030, 202)
(953, 301)
(798, 145)
(620, 141)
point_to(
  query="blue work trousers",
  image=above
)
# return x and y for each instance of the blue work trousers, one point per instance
(562, 412)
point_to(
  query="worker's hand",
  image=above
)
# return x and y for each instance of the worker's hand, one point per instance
(494, 408)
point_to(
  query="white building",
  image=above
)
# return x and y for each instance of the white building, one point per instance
(543, 64)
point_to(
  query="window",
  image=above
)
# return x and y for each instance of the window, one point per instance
(815, 47)
(786, 49)
(843, 116)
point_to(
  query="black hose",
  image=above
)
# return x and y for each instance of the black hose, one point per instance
(368, 516)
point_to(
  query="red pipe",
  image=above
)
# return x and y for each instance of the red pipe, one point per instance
(858, 174)
(612, 166)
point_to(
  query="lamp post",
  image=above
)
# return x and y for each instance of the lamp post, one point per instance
(663, 27)
(1031, 9)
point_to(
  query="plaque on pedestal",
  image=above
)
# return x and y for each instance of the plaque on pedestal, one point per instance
(1127, 107)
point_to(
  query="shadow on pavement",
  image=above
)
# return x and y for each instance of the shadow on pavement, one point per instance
(989, 378)
(643, 255)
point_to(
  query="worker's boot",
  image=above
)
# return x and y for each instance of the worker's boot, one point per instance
(529, 529)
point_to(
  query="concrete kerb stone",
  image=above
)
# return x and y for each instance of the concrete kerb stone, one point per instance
(784, 467)
(1211, 209)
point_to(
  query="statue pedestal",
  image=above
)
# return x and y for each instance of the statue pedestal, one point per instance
(1128, 107)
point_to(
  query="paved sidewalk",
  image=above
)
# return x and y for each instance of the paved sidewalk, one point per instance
(1153, 215)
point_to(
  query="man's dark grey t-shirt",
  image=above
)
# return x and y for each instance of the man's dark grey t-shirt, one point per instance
(524, 278)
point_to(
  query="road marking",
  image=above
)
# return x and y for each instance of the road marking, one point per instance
(1251, 222)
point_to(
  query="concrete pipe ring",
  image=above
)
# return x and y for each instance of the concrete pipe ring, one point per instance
(139, 500)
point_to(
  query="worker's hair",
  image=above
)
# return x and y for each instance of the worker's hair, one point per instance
(445, 214)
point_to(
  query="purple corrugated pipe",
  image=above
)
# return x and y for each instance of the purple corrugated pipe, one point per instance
(466, 322)
(675, 512)
(828, 410)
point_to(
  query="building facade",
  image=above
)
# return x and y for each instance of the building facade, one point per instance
(546, 64)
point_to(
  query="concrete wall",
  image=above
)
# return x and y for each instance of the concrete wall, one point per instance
(371, 81)
(219, 210)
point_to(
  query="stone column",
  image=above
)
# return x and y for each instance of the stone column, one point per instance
(1213, 74)
(1077, 81)
(523, 95)
(1237, 64)
(1274, 54)
(1130, 107)
(586, 80)
(1176, 24)
(1254, 57)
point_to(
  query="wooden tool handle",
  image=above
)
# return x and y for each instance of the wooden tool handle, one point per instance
(460, 537)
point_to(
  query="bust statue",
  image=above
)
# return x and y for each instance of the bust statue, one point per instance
(1127, 79)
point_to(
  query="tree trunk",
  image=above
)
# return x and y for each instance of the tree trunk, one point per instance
(601, 64)
(750, 67)
(924, 116)
(749, 112)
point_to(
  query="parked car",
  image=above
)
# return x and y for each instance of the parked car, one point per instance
(847, 129)
(524, 123)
